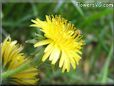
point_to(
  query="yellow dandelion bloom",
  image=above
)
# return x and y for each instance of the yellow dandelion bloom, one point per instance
(12, 58)
(64, 42)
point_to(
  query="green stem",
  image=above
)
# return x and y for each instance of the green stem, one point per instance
(6, 74)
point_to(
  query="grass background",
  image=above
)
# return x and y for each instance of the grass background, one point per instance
(96, 23)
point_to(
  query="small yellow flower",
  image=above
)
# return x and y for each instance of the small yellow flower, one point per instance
(64, 42)
(12, 58)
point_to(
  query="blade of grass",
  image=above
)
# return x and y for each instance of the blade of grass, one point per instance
(7, 8)
(18, 23)
(112, 25)
(34, 8)
(95, 16)
(101, 39)
(104, 71)
(59, 4)
(5, 34)
(94, 56)
(74, 2)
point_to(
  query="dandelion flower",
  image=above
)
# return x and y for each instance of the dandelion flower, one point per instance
(12, 58)
(64, 42)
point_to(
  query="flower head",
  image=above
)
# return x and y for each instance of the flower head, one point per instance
(64, 42)
(12, 58)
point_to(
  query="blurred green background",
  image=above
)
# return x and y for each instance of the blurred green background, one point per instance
(96, 23)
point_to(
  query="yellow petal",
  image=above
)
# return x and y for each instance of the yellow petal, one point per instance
(50, 46)
(72, 60)
(56, 55)
(61, 62)
(67, 64)
(48, 19)
(40, 43)
(46, 55)
(76, 57)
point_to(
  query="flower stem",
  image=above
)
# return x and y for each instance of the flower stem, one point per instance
(6, 74)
